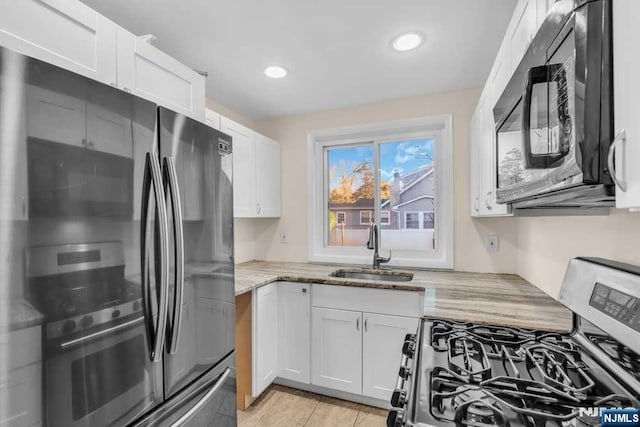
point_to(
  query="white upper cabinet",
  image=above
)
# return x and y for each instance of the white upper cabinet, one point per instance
(150, 73)
(267, 156)
(256, 172)
(522, 29)
(294, 327)
(65, 33)
(525, 21)
(212, 118)
(71, 35)
(626, 33)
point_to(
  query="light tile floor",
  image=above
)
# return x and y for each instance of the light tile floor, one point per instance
(282, 406)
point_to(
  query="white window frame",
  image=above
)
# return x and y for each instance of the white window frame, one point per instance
(437, 127)
(344, 214)
(419, 222)
(385, 217)
(371, 217)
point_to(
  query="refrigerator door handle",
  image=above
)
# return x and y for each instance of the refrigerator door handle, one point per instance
(153, 178)
(171, 191)
(205, 399)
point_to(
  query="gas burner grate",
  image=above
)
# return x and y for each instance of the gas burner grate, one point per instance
(620, 353)
(467, 358)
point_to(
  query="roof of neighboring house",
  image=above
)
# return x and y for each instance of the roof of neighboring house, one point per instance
(412, 178)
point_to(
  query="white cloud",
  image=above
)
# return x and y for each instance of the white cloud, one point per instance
(408, 151)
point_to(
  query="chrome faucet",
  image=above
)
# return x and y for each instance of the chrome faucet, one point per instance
(373, 244)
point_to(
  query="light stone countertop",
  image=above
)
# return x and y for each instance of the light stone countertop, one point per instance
(18, 313)
(500, 299)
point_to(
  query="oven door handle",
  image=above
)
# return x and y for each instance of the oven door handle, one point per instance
(153, 178)
(171, 191)
(125, 325)
(205, 399)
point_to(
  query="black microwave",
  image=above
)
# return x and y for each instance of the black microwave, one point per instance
(71, 181)
(554, 120)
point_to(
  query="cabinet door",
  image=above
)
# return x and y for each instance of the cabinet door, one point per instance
(22, 398)
(474, 165)
(626, 31)
(267, 157)
(55, 117)
(212, 118)
(108, 131)
(65, 33)
(381, 343)
(243, 168)
(294, 326)
(523, 29)
(336, 349)
(151, 74)
(265, 337)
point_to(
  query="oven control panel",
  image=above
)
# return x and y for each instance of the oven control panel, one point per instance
(616, 304)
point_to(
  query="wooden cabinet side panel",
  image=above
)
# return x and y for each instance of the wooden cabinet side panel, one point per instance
(243, 350)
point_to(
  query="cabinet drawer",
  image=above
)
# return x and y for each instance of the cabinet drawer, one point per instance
(23, 347)
(381, 301)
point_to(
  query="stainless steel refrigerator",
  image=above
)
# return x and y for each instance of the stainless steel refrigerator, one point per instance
(116, 249)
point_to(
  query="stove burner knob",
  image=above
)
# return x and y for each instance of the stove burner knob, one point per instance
(395, 418)
(68, 326)
(404, 372)
(408, 348)
(115, 314)
(86, 321)
(399, 398)
(136, 306)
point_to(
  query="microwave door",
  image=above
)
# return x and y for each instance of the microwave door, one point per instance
(201, 316)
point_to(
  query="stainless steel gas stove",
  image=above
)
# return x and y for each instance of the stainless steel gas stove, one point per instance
(467, 374)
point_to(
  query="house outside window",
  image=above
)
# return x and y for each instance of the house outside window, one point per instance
(411, 220)
(385, 217)
(384, 174)
(366, 218)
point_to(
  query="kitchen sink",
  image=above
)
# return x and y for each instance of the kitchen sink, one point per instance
(385, 275)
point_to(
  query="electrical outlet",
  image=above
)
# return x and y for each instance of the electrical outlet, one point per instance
(283, 238)
(492, 243)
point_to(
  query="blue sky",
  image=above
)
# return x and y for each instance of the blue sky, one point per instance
(405, 156)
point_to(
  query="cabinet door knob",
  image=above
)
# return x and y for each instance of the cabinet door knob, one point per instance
(258, 208)
(304, 290)
(358, 324)
(24, 208)
(365, 325)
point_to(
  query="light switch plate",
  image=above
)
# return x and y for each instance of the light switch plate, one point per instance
(283, 238)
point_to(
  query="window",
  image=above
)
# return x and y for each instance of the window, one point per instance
(385, 218)
(366, 217)
(386, 174)
(411, 220)
(427, 220)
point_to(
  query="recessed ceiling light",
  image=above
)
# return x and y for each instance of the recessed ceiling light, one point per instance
(275, 72)
(408, 41)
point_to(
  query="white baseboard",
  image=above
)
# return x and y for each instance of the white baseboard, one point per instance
(378, 403)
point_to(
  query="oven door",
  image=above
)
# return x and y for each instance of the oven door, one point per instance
(105, 378)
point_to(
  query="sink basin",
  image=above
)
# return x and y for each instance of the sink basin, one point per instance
(385, 275)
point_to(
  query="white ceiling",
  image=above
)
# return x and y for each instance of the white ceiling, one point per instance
(338, 52)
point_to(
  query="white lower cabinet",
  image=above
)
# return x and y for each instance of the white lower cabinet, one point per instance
(381, 342)
(342, 338)
(336, 343)
(294, 324)
(265, 337)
